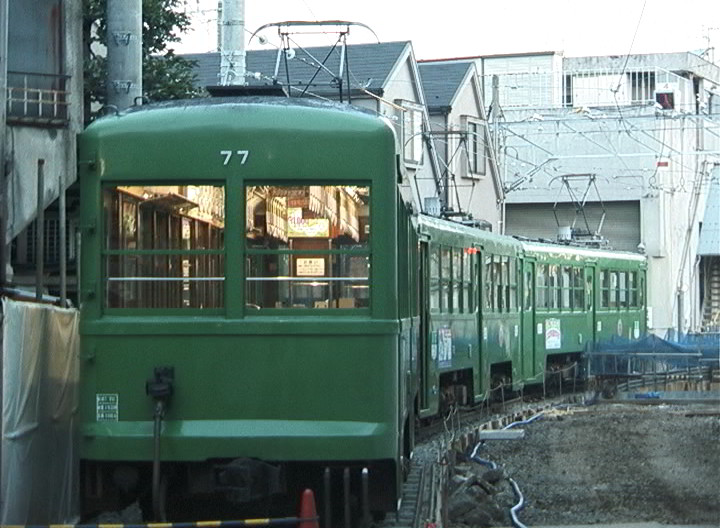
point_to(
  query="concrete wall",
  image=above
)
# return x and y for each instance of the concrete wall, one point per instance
(56, 33)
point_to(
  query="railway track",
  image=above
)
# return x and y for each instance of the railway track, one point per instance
(441, 444)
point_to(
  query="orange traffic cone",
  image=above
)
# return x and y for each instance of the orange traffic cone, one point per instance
(308, 514)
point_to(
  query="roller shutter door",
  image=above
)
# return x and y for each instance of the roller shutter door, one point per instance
(621, 227)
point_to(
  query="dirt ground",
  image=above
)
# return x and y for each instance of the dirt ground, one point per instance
(611, 463)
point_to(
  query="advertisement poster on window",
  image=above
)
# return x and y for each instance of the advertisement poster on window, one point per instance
(299, 227)
(553, 335)
(310, 267)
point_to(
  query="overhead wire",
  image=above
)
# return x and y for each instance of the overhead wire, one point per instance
(632, 43)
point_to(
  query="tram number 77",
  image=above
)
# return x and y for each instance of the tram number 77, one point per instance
(228, 154)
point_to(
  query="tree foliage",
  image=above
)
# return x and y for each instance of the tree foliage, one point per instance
(165, 75)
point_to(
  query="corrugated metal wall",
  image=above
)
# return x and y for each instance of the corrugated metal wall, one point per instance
(621, 226)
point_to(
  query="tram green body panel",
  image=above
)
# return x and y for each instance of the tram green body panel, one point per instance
(582, 318)
(274, 396)
(286, 385)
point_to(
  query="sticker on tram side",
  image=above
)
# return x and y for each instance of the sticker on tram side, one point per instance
(445, 347)
(107, 407)
(553, 335)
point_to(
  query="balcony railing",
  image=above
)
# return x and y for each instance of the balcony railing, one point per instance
(587, 88)
(37, 99)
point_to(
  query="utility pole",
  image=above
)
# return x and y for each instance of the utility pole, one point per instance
(3, 128)
(232, 39)
(124, 53)
(495, 114)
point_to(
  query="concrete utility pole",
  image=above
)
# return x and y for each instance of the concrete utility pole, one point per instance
(232, 39)
(3, 129)
(124, 53)
(495, 114)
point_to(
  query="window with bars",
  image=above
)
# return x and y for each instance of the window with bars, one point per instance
(642, 86)
(51, 242)
(163, 249)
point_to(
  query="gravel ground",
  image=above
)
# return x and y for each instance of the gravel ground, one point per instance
(616, 463)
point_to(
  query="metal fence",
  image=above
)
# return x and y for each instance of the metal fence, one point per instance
(660, 362)
(37, 99)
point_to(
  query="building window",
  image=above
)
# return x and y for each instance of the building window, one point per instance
(476, 148)
(642, 85)
(411, 119)
(37, 84)
(568, 91)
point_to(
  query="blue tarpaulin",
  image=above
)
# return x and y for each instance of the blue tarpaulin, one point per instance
(623, 357)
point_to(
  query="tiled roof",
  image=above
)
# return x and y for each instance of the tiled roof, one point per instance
(369, 66)
(441, 81)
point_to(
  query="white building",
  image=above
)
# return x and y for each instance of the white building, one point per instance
(619, 151)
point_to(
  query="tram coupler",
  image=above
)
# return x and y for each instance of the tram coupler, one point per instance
(160, 388)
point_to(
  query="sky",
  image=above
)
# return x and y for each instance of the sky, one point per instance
(460, 28)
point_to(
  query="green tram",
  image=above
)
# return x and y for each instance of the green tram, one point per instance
(261, 310)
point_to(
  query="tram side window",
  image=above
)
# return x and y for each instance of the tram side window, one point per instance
(434, 279)
(307, 247)
(527, 290)
(457, 282)
(613, 289)
(505, 282)
(578, 289)
(641, 290)
(467, 305)
(565, 273)
(622, 289)
(474, 286)
(633, 289)
(604, 288)
(445, 279)
(512, 284)
(488, 283)
(553, 286)
(164, 246)
(498, 284)
(541, 286)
